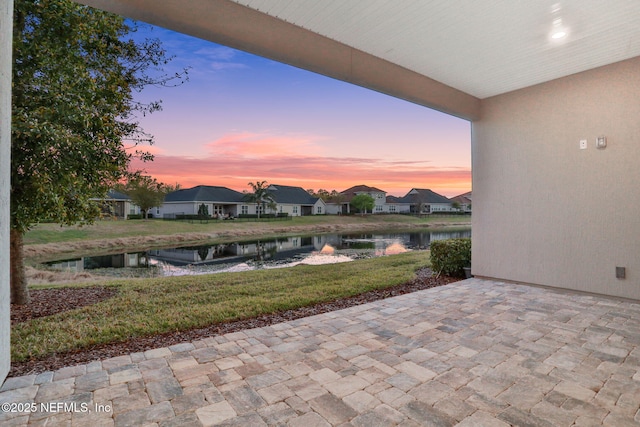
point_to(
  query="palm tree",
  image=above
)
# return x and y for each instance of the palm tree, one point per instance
(260, 195)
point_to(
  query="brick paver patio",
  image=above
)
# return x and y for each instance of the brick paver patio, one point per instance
(473, 353)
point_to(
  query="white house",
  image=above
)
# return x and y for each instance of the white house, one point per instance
(220, 201)
(295, 201)
(425, 201)
(464, 200)
(117, 205)
(379, 197)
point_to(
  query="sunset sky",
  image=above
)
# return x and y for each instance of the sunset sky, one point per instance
(243, 118)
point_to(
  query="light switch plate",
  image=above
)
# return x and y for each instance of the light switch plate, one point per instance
(583, 144)
(601, 142)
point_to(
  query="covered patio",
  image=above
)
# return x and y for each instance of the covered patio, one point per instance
(550, 209)
(472, 353)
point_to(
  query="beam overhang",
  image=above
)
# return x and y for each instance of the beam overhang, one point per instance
(230, 24)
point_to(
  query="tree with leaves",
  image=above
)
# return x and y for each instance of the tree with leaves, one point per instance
(260, 195)
(203, 211)
(75, 73)
(363, 202)
(330, 197)
(145, 192)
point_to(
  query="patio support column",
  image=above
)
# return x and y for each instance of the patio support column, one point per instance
(6, 30)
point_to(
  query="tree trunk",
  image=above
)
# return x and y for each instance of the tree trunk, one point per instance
(19, 290)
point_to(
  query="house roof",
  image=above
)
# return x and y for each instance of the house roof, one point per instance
(351, 192)
(362, 189)
(291, 195)
(462, 198)
(393, 199)
(422, 195)
(116, 195)
(205, 193)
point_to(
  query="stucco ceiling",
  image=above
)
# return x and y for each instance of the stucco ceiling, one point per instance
(481, 47)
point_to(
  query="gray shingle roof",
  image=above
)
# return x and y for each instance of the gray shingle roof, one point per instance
(205, 193)
(116, 195)
(291, 195)
(421, 195)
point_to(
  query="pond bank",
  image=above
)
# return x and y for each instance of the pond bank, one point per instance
(37, 253)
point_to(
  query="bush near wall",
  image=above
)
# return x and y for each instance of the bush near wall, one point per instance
(450, 256)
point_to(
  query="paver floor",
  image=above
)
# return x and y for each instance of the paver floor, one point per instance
(473, 353)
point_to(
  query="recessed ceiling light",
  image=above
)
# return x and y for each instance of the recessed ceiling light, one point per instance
(559, 31)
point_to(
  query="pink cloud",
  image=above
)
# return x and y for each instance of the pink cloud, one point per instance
(308, 172)
(256, 145)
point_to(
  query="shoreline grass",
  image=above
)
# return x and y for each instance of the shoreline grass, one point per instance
(146, 307)
(54, 233)
(49, 242)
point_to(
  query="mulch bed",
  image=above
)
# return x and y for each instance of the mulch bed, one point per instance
(46, 302)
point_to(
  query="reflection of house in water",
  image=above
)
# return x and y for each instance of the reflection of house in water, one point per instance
(423, 240)
(259, 250)
(138, 259)
(68, 265)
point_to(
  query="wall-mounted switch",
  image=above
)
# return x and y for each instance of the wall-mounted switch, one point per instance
(621, 272)
(601, 142)
(583, 144)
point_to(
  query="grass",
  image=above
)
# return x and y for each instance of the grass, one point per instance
(54, 233)
(146, 307)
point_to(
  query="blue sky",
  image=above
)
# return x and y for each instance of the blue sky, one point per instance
(244, 118)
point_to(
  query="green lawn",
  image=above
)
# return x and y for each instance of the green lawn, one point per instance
(54, 233)
(145, 307)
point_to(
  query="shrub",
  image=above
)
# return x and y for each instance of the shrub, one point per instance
(450, 256)
(134, 216)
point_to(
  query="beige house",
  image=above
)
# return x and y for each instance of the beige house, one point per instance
(379, 197)
(552, 91)
(463, 201)
(118, 205)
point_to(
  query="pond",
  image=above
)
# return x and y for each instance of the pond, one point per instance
(257, 254)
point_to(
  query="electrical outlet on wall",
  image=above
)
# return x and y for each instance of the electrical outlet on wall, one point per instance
(583, 144)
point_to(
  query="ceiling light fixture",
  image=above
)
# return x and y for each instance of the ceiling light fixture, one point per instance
(559, 31)
(558, 34)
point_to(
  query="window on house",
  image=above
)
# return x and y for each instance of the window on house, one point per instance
(392, 208)
(319, 210)
(379, 208)
(295, 209)
(244, 210)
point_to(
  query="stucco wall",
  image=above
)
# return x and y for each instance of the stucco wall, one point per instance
(547, 212)
(6, 13)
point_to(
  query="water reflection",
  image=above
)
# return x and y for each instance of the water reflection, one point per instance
(257, 254)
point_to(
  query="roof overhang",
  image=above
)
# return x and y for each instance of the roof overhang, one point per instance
(234, 25)
(446, 55)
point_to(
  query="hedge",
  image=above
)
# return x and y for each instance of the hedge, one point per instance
(450, 256)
